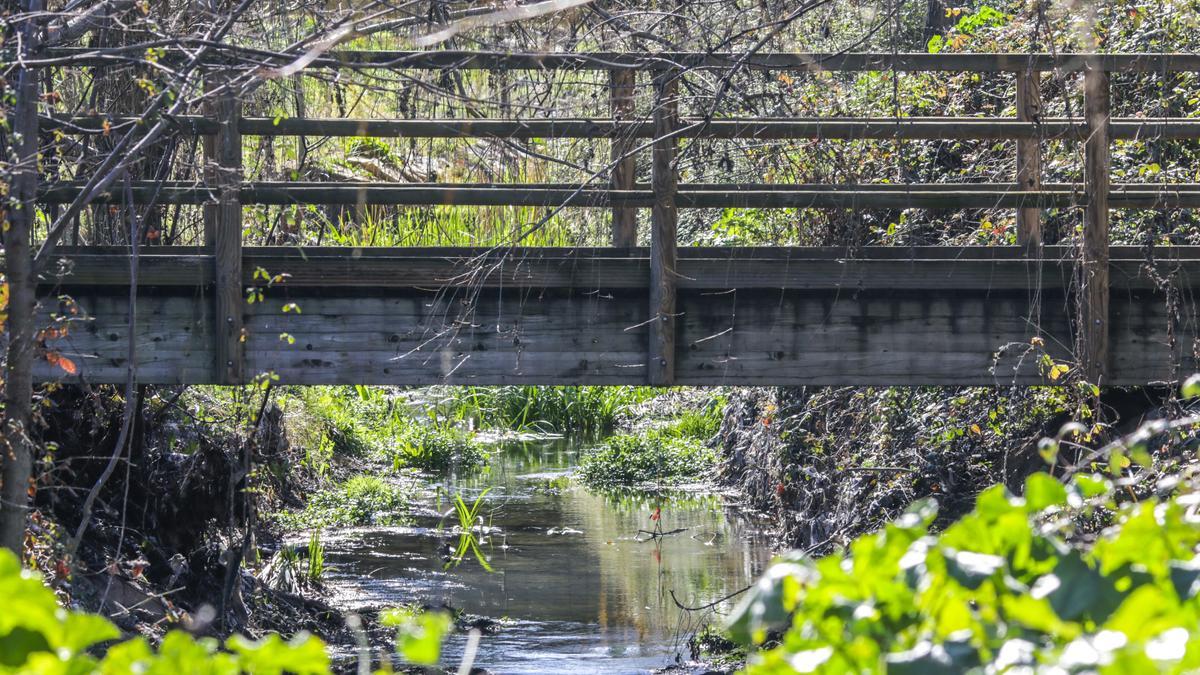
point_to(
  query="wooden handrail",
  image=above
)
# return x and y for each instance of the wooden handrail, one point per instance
(812, 62)
(851, 128)
(691, 196)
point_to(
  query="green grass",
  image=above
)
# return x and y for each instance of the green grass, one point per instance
(699, 424)
(564, 410)
(654, 459)
(361, 500)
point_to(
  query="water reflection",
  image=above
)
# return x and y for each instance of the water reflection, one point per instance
(581, 591)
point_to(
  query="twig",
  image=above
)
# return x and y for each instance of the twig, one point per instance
(710, 605)
(881, 469)
(657, 535)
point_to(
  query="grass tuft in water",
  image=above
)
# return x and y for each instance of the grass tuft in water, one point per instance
(650, 460)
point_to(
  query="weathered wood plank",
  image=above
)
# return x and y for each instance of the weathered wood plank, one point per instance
(1029, 157)
(458, 271)
(622, 85)
(1093, 330)
(925, 196)
(810, 62)
(660, 356)
(625, 127)
(940, 335)
(227, 242)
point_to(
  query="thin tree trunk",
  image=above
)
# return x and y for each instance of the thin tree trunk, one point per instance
(16, 451)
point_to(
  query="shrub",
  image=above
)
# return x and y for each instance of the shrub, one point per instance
(655, 458)
(361, 500)
(1010, 587)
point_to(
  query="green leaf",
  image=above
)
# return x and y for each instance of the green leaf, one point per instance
(1091, 485)
(81, 631)
(1191, 387)
(928, 658)
(1043, 491)
(419, 635)
(1076, 590)
(768, 603)
(302, 655)
(970, 569)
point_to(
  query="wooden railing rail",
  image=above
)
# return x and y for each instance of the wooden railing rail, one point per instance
(848, 62)
(224, 192)
(843, 128)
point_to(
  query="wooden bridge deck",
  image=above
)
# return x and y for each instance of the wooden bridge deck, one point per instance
(624, 315)
(745, 316)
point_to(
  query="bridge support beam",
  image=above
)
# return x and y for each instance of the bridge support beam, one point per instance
(223, 235)
(660, 365)
(1029, 158)
(622, 85)
(1093, 283)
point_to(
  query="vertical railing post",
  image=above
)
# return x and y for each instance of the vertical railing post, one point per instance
(664, 180)
(1029, 158)
(622, 87)
(226, 242)
(1093, 268)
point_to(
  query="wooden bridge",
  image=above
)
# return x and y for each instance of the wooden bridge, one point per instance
(658, 315)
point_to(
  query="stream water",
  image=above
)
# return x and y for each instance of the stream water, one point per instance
(575, 586)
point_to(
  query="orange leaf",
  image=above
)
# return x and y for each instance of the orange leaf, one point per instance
(68, 366)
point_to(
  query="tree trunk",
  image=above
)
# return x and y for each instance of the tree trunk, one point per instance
(16, 452)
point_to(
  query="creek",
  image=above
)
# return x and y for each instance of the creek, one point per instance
(573, 584)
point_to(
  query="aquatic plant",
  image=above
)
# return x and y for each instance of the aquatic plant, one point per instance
(315, 571)
(698, 423)
(470, 522)
(436, 448)
(287, 571)
(652, 459)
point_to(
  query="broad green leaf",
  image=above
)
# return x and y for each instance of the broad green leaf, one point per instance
(766, 606)
(1043, 490)
(971, 569)
(928, 658)
(419, 636)
(302, 655)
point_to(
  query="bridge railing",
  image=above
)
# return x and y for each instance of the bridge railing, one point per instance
(224, 192)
